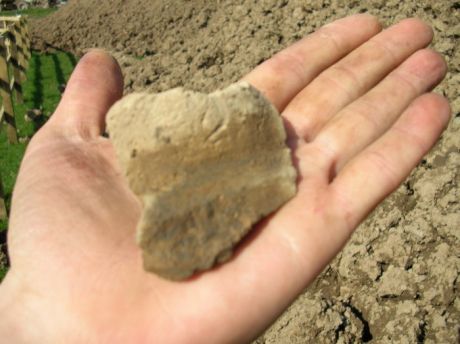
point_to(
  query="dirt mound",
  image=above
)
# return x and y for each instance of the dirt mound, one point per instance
(397, 279)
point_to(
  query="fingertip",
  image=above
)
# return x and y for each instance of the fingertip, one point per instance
(426, 118)
(438, 61)
(370, 20)
(101, 60)
(366, 21)
(97, 55)
(427, 64)
(437, 106)
(95, 84)
(416, 26)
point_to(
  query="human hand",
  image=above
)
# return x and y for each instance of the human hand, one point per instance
(359, 118)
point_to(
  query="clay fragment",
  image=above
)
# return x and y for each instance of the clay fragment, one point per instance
(206, 167)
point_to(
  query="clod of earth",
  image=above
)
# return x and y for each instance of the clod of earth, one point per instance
(206, 168)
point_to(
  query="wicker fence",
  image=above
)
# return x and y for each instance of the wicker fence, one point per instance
(14, 57)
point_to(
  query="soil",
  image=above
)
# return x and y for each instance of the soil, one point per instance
(397, 280)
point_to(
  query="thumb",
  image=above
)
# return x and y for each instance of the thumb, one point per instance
(94, 86)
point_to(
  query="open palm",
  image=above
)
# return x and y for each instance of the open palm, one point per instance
(359, 115)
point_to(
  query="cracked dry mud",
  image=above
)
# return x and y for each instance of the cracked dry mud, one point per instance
(206, 168)
(414, 235)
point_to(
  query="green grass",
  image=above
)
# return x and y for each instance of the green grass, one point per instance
(3, 271)
(41, 90)
(35, 12)
(45, 73)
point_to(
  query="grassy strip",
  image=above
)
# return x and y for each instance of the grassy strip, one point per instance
(45, 74)
(3, 271)
(34, 12)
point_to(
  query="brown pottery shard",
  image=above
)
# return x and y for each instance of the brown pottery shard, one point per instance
(206, 167)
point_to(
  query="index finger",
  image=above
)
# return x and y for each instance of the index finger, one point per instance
(289, 71)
